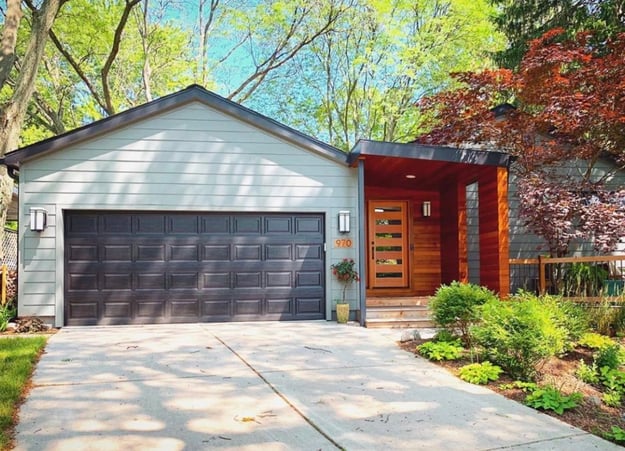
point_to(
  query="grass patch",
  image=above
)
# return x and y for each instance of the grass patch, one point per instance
(17, 358)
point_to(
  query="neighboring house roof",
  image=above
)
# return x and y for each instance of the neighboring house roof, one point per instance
(427, 152)
(193, 93)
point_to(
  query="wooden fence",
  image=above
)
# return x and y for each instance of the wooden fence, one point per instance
(588, 278)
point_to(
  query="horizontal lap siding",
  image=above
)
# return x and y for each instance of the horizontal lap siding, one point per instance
(524, 244)
(193, 158)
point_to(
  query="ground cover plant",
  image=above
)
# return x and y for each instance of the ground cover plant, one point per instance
(548, 354)
(17, 358)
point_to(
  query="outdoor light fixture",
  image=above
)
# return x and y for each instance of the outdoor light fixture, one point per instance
(38, 219)
(426, 209)
(343, 221)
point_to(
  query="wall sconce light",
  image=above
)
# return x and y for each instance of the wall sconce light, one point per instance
(426, 209)
(38, 219)
(343, 221)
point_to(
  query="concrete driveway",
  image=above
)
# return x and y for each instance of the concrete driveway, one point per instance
(302, 385)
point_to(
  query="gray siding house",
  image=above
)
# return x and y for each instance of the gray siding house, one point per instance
(194, 208)
(136, 203)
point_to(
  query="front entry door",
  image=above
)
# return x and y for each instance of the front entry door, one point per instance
(388, 244)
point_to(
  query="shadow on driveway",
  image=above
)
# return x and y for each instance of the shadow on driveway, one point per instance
(281, 385)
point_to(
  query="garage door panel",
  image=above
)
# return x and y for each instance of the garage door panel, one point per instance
(216, 309)
(115, 224)
(183, 281)
(247, 252)
(143, 268)
(308, 279)
(246, 225)
(83, 225)
(278, 279)
(215, 224)
(117, 310)
(278, 225)
(184, 252)
(251, 307)
(149, 224)
(83, 252)
(150, 253)
(189, 307)
(87, 312)
(150, 309)
(183, 224)
(217, 280)
(282, 252)
(150, 281)
(216, 252)
(279, 306)
(309, 225)
(116, 252)
(83, 282)
(308, 306)
(116, 281)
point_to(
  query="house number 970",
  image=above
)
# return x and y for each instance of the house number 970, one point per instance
(343, 242)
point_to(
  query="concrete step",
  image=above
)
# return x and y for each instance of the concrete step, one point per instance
(400, 324)
(412, 301)
(398, 313)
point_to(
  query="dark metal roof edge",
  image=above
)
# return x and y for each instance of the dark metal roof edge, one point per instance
(163, 104)
(425, 152)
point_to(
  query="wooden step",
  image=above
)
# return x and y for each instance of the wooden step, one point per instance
(399, 324)
(398, 313)
(397, 301)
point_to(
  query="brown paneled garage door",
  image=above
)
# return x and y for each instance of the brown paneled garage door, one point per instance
(138, 268)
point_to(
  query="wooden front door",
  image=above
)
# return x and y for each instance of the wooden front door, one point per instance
(388, 244)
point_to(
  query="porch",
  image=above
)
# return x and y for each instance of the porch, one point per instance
(431, 215)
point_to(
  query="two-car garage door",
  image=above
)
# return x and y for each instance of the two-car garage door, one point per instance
(133, 268)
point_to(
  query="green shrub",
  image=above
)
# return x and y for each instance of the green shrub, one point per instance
(480, 373)
(7, 313)
(617, 434)
(521, 333)
(593, 340)
(613, 380)
(584, 279)
(587, 373)
(441, 350)
(550, 398)
(457, 306)
(606, 318)
(525, 387)
(612, 399)
(445, 335)
(609, 356)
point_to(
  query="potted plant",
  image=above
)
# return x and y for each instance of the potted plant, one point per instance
(346, 273)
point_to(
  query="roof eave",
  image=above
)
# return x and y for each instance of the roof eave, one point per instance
(166, 103)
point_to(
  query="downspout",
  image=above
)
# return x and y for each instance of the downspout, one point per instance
(362, 250)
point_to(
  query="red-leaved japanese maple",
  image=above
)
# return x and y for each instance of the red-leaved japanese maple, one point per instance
(568, 111)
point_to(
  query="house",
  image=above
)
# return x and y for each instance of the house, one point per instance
(194, 208)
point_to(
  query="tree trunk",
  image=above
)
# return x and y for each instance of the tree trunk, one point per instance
(13, 112)
(9, 39)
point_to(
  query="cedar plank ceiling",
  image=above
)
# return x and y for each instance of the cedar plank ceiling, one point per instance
(391, 172)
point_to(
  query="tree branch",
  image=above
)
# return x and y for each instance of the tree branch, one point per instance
(106, 90)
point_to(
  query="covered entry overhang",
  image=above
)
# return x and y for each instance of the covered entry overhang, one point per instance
(432, 215)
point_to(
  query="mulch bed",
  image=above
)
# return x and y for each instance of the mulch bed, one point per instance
(591, 416)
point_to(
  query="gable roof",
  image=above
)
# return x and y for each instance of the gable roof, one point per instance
(193, 93)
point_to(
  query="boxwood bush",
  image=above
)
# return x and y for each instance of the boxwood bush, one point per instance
(521, 333)
(457, 307)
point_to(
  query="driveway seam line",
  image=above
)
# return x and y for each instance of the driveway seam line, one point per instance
(535, 442)
(283, 397)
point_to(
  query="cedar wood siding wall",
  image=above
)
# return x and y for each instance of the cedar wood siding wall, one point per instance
(425, 240)
(192, 158)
